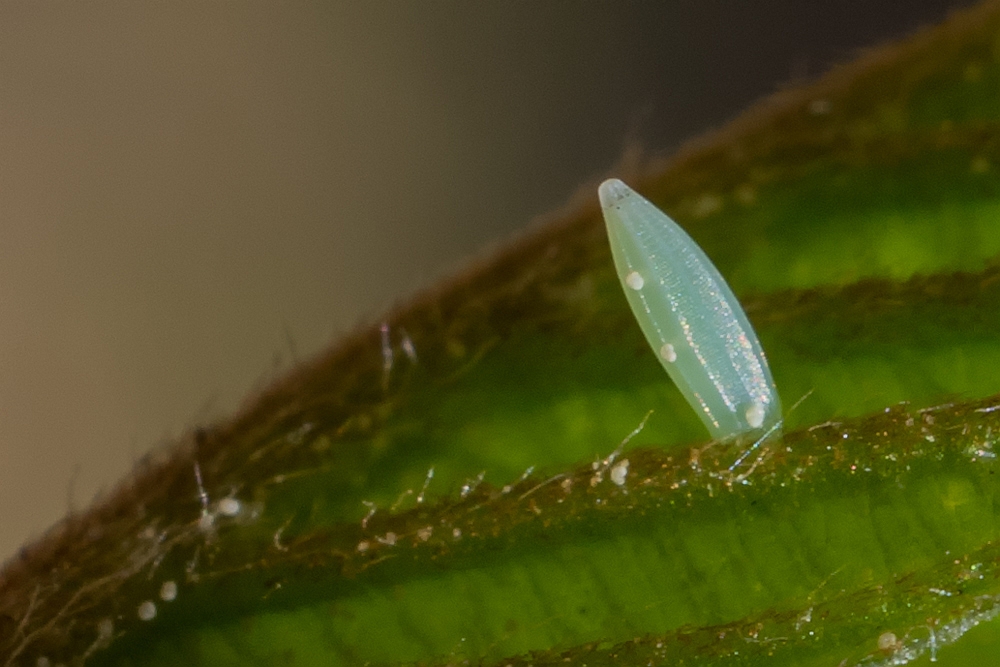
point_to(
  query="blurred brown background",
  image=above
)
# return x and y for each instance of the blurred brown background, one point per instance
(193, 195)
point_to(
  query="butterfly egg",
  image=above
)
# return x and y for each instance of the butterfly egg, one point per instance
(690, 316)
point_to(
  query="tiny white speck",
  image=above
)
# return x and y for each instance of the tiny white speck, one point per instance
(755, 415)
(168, 591)
(619, 472)
(887, 641)
(457, 533)
(147, 611)
(635, 280)
(363, 546)
(668, 353)
(408, 347)
(424, 534)
(229, 507)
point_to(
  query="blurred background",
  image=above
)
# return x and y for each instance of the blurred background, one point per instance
(196, 196)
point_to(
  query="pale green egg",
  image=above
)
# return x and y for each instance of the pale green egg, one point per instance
(690, 316)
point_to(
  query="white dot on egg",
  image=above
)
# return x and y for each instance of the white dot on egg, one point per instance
(755, 415)
(668, 353)
(147, 611)
(168, 591)
(635, 280)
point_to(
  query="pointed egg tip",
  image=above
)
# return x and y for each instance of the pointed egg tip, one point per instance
(612, 191)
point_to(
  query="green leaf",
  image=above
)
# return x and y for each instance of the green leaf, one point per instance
(474, 501)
